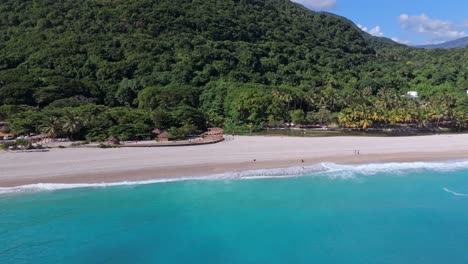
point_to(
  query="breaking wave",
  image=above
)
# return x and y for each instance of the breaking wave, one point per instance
(234, 175)
(403, 168)
(328, 170)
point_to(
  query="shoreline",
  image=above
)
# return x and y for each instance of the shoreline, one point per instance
(200, 173)
(96, 166)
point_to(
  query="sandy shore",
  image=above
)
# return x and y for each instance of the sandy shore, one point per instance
(88, 165)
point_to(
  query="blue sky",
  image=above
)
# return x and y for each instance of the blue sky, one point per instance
(412, 22)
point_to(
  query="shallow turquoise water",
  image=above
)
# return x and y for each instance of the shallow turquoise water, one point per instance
(391, 215)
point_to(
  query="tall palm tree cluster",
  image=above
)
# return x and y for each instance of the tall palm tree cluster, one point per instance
(69, 125)
(389, 110)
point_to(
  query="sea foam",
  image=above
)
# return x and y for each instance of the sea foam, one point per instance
(63, 186)
(401, 168)
(233, 175)
(328, 170)
(454, 193)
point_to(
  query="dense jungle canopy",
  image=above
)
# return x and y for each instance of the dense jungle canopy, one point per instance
(95, 68)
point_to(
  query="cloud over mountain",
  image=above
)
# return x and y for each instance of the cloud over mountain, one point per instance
(375, 31)
(438, 30)
(317, 4)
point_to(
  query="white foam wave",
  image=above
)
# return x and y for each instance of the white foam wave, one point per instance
(346, 171)
(269, 173)
(328, 170)
(234, 175)
(454, 193)
(64, 186)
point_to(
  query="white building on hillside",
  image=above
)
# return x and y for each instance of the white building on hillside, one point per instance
(412, 94)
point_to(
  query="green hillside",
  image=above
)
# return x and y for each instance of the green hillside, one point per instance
(185, 65)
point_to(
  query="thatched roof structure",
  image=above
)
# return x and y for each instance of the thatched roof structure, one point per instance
(157, 131)
(163, 134)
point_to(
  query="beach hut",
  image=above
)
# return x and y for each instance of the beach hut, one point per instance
(156, 132)
(112, 141)
(5, 135)
(160, 134)
(214, 134)
(41, 138)
(163, 136)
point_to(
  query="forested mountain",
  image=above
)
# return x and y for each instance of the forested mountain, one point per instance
(458, 43)
(186, 64)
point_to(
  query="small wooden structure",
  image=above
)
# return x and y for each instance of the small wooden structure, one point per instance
(163, 136)
(38, 138)
(214, 134)
(5, 135)
(160, 134)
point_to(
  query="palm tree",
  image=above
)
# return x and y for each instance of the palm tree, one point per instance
(72, 124)
(375, 116)
(364, 123)
(346, 118)
(343, 118)
(52, 127)
(459, 120)
(424, 116)
(406, 116)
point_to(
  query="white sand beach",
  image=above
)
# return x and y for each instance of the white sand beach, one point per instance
(93, 165)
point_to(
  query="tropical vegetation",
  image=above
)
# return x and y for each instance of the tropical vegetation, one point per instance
(88, 69)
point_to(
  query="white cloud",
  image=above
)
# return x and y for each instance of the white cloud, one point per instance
(375, 31)
(363, 28)
(402, 41)
(317, 4)
(465, 24)
(438, 30)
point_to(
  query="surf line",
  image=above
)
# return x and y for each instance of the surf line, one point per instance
(454, 193)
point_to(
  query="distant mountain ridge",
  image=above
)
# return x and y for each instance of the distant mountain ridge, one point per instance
(458, 43)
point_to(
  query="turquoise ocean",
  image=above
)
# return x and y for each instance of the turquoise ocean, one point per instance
(379, 213)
